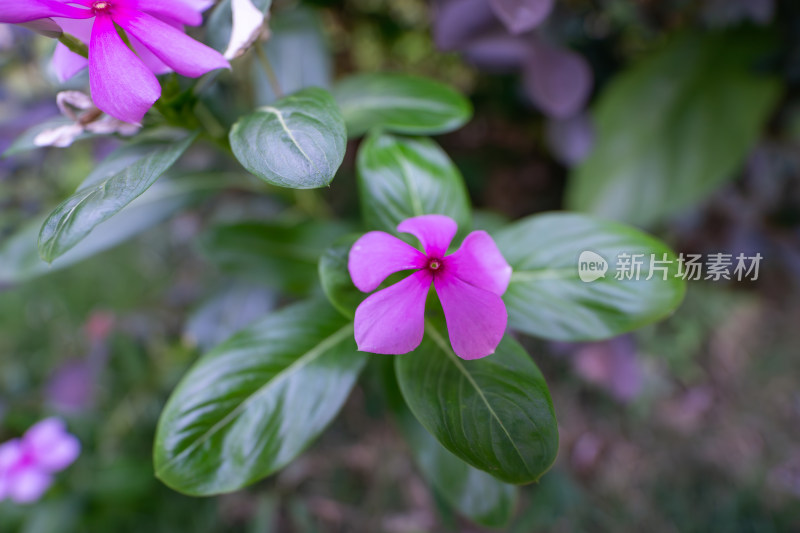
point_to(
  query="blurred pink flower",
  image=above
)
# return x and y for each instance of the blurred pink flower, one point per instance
(469, 284)
(123, 82)
(27, 465)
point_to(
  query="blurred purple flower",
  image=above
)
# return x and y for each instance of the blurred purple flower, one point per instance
(520, 16)
(558, 80)
(570, 139)
(612, 365)
(71, 390)
(27, 464)
(469, 284)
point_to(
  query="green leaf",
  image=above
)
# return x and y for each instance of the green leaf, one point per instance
(674, 127)
(299, 142)
(494, 413)
(546, 296)
(401, 177)
(472, 492)
(104, 193)
(19, 256)
(257, 401)
(335, 277)
(283, 255)
(400, 103)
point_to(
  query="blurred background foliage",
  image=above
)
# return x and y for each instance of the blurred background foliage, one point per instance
(689, 425)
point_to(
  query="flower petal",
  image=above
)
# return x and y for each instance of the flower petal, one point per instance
(476, 318)
(16, 11)
(150, 60)
(248, 21)
(66, 63)
(28, 485)
(121, 84)
(376, 255)
(182, 53)
(10, 453)
(392, 321)
(51, 446)
(435, 232)
(480, 263)
(177, 10)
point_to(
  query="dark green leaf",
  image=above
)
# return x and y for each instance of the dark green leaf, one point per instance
(401, 177)
(400, 103)
(253, 404)
(280, 254)
(335, 277)
(104, 193)
(547, 298)
(494, 413)
(673, 128)
(472, 492)
(298, 142)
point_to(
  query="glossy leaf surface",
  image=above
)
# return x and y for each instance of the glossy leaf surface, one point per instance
(546, 296)
(298, 142)
(253, 404)
(494, 413)
(109, 188)
(401, 104)
(402, 177)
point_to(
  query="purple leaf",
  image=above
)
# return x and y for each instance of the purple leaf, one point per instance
(520, 16)
(459, 21)
(498, 52)
(558, 81)
(570, 139)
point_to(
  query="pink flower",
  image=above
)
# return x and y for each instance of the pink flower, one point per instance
(469, 284)
(27, 465)
(122, 80)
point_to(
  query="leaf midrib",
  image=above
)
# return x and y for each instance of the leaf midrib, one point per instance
(279, 115)
(302, 361)
(445, 347)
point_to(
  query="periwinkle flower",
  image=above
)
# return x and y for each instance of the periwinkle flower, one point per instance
(27, 464)
(469, 284)
(122, 77)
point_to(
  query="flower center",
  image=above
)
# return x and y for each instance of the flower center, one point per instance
(101, 7)
(434, 264)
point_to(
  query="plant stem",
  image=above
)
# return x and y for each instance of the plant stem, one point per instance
(74, 44)
(265, 63)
